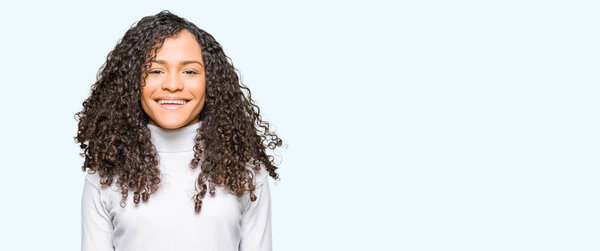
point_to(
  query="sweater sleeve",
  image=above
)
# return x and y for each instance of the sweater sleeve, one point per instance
(256, 219)
(96, 224)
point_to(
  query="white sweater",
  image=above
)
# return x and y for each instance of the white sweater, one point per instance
(167, 221)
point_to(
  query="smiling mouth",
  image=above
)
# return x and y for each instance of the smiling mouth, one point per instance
(172, 104)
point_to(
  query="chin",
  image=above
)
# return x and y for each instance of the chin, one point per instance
(171, 124)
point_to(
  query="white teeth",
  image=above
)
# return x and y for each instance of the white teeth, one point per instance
(179, 102)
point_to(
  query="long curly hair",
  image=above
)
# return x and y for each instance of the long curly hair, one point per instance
(113, 132)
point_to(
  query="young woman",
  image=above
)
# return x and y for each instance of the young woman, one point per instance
(174, 147)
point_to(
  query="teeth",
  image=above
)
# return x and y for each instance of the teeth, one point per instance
(179, 102)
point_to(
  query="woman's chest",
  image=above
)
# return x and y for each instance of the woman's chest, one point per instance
(171, 207)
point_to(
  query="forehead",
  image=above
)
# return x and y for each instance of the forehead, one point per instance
(181, 46)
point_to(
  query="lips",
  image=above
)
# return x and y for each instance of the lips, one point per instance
(176, 102)
(171, 99)
(171, 102)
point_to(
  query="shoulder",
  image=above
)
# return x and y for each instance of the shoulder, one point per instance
(93, 179)
(260, 176)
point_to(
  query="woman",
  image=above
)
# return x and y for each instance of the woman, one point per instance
(168, 124)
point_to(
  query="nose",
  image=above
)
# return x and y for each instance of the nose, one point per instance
(172, 82)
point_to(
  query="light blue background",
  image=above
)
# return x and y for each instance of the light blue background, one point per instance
(416, 125)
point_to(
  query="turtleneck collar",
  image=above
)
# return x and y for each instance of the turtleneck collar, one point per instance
(174, 140)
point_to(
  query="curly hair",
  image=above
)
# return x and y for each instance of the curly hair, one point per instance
(113, 132)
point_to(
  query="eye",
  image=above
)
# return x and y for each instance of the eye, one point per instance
(191, 72)
(154, 72)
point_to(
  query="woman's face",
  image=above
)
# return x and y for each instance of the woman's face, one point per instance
(175, 88)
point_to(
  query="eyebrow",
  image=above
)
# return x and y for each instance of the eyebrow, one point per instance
(183, 62)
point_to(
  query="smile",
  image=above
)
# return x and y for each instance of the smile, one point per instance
(179, 102)
(172, 104)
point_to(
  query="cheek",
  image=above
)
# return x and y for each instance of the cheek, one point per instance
(145, 98)
(147, 89)
(199, 89)
(145, 92)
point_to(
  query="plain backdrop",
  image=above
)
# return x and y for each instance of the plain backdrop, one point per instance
(409, 125)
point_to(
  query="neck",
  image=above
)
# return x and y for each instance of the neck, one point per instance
(174, 140)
